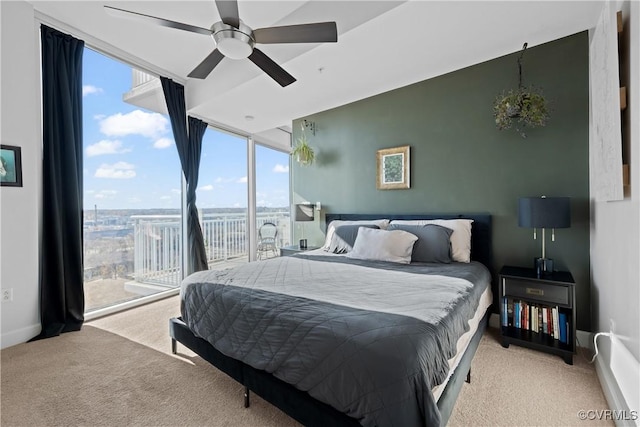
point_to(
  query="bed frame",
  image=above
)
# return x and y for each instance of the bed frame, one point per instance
(298, 404)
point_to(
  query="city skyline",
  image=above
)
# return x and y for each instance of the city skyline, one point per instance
(131, 162)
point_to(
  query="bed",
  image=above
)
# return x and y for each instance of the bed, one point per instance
(332, 340)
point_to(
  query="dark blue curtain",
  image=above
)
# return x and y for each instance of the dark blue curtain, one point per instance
(61, 262)
(189, 145)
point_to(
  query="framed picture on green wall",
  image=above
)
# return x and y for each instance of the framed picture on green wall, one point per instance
(393, 168)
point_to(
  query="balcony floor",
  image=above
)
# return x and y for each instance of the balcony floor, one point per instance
(103, 293)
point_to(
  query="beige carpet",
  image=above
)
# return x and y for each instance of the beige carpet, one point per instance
(118, 371)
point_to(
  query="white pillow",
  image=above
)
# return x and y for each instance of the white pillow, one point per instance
(383, 245)
(381, 223)
(460, 238)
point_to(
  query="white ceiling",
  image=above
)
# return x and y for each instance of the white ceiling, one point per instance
(382, 45)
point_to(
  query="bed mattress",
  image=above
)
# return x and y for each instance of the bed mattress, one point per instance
(371, 339)
(463, 342)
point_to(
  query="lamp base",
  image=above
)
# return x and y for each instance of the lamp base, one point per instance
(543, 266)
(302, 244)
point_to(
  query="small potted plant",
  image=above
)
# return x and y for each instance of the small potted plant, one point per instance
(526, 106)
(302, 151)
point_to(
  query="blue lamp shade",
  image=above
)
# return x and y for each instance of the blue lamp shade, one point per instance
(544, 212)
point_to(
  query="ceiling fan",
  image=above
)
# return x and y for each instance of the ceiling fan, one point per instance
(236, 40)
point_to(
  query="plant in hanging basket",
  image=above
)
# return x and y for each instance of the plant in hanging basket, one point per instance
(525, 106)
(302, 151)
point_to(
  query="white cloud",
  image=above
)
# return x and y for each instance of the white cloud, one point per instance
(106, 194)
(221, 180)
(119, 170)
(176, 191)
(281, 168)
(165, 197)
(242, 180)
(137, 122)
(89, 89)
(163, 143)
(106, 147)
(99, 116)
(206, 188)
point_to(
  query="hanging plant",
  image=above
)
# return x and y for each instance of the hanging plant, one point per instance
(302, 151)
(522, 106)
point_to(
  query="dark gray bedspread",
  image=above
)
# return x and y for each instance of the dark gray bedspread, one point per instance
(369, 338)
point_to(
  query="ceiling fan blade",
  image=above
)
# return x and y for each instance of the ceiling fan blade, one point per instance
(274, 71)
(303, 33)
(153, 19)
(228, 10)
(207, 65)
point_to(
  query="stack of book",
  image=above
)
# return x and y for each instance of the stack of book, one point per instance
(541, 319)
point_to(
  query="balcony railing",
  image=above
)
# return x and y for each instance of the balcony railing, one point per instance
(139, 77)
(158, 243)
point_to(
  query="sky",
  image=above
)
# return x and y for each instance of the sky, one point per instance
(131, 162)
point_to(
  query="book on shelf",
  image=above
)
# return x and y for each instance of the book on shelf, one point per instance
(564, 326)
(542, 319)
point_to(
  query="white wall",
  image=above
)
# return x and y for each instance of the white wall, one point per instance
(615, 247)
(20, 207)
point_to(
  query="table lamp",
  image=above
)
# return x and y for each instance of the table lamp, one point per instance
(304, 213)
(544, 212)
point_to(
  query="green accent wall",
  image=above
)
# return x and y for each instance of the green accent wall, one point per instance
(460, 162)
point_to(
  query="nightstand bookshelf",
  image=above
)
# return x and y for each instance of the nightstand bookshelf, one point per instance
(527, 295)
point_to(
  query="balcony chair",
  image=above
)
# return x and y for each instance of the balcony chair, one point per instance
(267, 234)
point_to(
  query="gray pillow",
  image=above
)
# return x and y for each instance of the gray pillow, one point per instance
(433, 245)
(344, 237)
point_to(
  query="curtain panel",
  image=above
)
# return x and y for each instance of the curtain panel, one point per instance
(61, 259)
(189, 145)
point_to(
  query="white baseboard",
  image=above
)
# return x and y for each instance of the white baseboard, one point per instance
(612, 393)
(19, 336)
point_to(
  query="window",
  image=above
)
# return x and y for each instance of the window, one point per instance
(133, 189)
(132, 181)
(272, 197)
(221, 198)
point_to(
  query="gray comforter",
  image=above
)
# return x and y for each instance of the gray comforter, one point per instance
(369, 338)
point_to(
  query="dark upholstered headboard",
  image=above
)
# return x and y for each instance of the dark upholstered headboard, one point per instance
(481, 245)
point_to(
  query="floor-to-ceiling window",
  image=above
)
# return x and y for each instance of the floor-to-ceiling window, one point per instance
(132, 191)
(222, 198)
(132, 179)
(272, 200)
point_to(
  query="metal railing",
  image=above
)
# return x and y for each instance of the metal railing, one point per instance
(158, 242)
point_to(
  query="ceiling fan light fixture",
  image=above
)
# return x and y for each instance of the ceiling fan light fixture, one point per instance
(234, 48)
(232, 42)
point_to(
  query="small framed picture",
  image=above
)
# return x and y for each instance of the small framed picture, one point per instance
(393, 168)
(10, 166)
